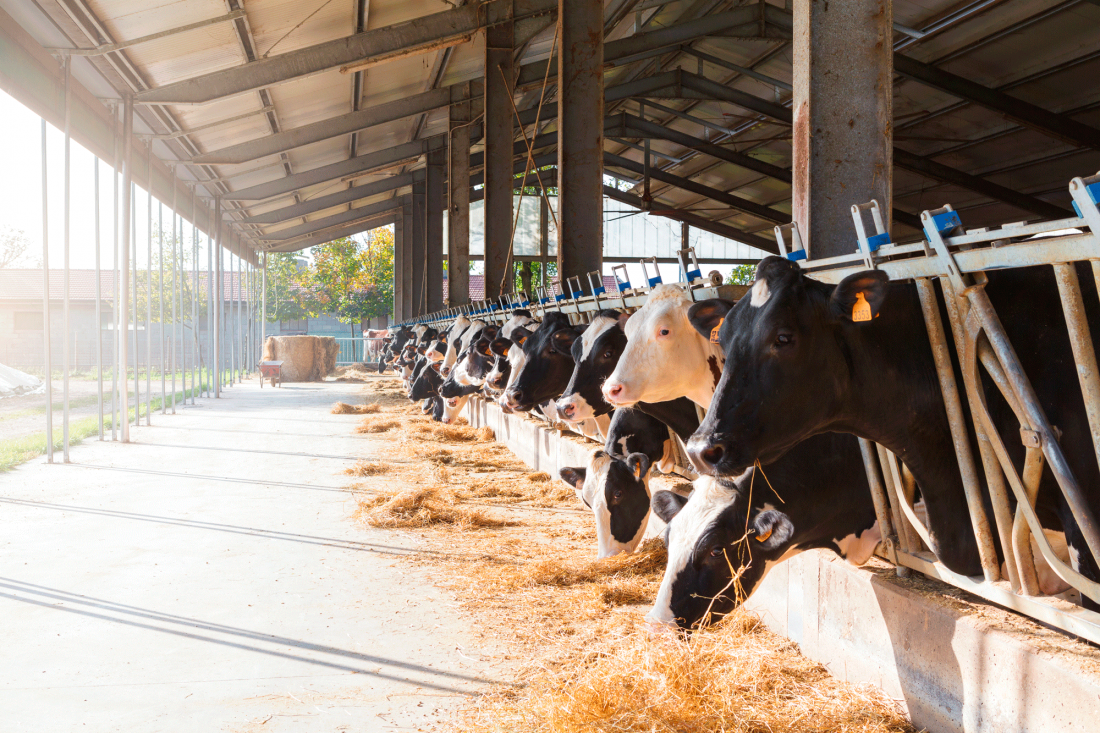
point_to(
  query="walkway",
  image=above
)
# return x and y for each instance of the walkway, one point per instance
(208, 578)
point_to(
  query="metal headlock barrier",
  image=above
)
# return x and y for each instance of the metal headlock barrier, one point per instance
(958, 258)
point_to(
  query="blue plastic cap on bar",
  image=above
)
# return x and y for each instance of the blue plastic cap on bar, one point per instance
(798, 254)
(599, 290)
(946, 221)
(692, 274)
(873, 243)
(655, 281)
(577, 294)
(558, 298)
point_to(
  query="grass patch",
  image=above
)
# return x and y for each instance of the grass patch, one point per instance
(25, 448)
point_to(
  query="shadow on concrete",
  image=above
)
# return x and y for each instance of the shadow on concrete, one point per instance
(127, 615)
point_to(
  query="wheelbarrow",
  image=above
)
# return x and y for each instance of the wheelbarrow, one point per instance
(272, 370)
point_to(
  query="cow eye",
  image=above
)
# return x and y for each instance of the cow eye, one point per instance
(663, 332)
(617, 494)
(607, 354)
(784, 339)
(716, 551)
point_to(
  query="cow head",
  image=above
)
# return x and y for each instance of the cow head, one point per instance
(617, 492)
(596, 353)
(548, 362)
(665, 357)
(719, 549)
(789, 363)
(427, 382)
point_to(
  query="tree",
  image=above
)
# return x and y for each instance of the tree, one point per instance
(13, 246)
(742, 275)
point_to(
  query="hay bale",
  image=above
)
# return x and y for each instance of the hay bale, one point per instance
(305, 358)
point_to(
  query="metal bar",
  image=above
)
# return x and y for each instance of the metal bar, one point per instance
(741, 204)
(418, 35)
(149, 289)
(46, 330)
(210, 336)
(318, 225)
(111, 47)
(953, 405)
(359, 165)
(98, 303)
(1021, 532)
(743, 70)
(196, 362)
(1080, 339)
(116, 307)
(173, 361)
(878, 498)
(215, 309)
(363, 119)
(435, 203)
(122, 336)
(65, 317)
(263, 317)
(349, 195)
(1029, 401)
(160, 285)
(1057, 126)
(458, 204)
(211, 125)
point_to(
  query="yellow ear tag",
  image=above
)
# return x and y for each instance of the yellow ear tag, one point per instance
(762, 537)
(714, 331)
(861, 311)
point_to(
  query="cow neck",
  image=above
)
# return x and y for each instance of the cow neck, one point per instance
(894, 399)
(706, 371)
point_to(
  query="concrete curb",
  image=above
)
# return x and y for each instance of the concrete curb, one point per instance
(954, 669)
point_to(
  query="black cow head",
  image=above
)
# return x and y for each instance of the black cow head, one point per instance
(548, 363)
(717, 554)
(595, 355)
(787, 368)
(617, 492)
(427, 382)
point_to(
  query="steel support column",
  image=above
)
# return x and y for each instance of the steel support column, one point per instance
(435, 203)
(406, 273)
(398, 268)
(216, 305)
(842, 135)
(419, 250)
(580, 138)
(122, 341)
(499, 121)
(458, 211)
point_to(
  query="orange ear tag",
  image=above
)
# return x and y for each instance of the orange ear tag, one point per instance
(762, 537)
(861, 311)
(714, 331)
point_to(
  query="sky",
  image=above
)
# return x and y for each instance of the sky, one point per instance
(21, 198)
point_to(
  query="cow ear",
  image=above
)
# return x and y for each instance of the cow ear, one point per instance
(706, 317)
(500, 346)
(639, 464)
(436, 366)
(520, 335)
(623, 318)
(667, 505)
(563, 340)
(772, 529)
(573, 476)
(859, 297)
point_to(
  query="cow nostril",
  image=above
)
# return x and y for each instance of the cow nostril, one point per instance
(614, 390)
(712, 454)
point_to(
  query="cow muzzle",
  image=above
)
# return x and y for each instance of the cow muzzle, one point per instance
(706, 453)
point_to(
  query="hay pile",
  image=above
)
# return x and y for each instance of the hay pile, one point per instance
(366, 468)
(375, 426)
(422, 507)
(305, 358)
(343, 408)
(737, 678)
(354, 373)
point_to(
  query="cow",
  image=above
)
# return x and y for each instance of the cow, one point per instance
(801, 365)
(595, 354)
(723, 540)
(615, 483)
(547, 364)
(459, 327)
(665, 357)
(427, 383)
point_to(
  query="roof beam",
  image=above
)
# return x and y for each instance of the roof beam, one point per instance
(346, 196)
(1055, 125)
(736, 202)
(334, 127)
(415, 36)
(722, 230)
(373, 222)
(358, 165)
(345, 217)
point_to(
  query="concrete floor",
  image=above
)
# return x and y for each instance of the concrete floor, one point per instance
(208, 578)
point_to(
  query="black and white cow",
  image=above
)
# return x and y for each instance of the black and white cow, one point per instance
(798, 366)
(547, 365)
(615, 483)
(427, 383)
(723, 540)
(595, 355)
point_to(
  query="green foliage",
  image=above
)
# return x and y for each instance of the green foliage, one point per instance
(164, 272)
(742, 275)
(346, 279)
(536, 275)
